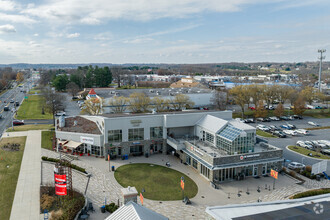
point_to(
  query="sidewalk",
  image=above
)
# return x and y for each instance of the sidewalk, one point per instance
(26, 204)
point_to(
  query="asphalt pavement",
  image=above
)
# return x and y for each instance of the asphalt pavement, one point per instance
(323, 134)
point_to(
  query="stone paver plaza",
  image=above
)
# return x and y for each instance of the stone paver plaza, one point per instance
(103, 185)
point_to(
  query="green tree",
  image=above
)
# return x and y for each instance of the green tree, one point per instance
(240, 96)
(139, 102)
(60, 82)
(260, 111)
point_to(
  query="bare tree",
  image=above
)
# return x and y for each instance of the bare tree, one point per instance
(72, 88)
(54, 101)
(139, 102)
(93, 106)
(118, 104)
(219, 99)
(181, 101)
(117, 74)
(160, 104)
(279, 111)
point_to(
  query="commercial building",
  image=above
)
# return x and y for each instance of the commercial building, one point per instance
(210, 141)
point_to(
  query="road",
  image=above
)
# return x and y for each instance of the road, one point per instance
(323, 134)
(15, 94)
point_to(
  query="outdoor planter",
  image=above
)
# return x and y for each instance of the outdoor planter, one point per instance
(81, 154)
(89, 154)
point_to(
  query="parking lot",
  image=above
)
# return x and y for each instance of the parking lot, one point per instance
(323, 134)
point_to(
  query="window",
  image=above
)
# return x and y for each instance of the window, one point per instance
(156, 132)
(95, 150)
(136, 149)
(209, 137)
(115, 136)
(195, 163)
(135, 134)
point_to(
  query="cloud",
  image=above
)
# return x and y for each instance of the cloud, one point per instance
(7, 5)
(98, 11)
(138, 41)
(7, 28)
(36, 35)
(16, 18)
(74, 35)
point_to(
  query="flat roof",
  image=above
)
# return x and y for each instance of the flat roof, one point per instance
(83, 125)
(114, 115)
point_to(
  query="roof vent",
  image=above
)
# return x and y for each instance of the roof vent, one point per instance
(75, 123)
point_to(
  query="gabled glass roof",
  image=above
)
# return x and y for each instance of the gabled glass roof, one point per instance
(230, 132)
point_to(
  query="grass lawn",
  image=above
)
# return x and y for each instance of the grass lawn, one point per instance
(34, 91)
(315, 113)
(160, 183)
(31, 127)
(318, 128)
(47, 139)
(9, 176)
(265, 134)
(313, 192)
(305, 152)
(32, 107)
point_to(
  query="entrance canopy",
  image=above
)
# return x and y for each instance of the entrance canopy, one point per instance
(72, 144)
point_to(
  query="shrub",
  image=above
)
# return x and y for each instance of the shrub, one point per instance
(46, 202)
(73, 166)
(314, 192)
(112, 207)
(292, 173)
(56, 215)
(309, 168)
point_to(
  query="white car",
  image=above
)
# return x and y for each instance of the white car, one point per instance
(274, 118)
(60, 114)
(313, 123)
(295, 165)
(240, 120)
(300, 143)
(302, 131)
(325, 142)
(290, 132)
(263, 127)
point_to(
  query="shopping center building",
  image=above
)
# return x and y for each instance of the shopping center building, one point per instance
(214, 144)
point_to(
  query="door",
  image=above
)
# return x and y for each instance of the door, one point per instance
(255, 171)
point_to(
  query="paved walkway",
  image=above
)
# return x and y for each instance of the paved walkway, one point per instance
(26, 204)
(104, 186)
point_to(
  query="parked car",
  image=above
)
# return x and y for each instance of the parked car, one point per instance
(310, 107)
(291, 117)
(259, 119)
(6, 108)
(300, 143)
(285, 118)
(298, 116)
(60, 114)
(292, 126)
(274, 128)
(249, 120)
(296, 165)
(274, 118)
(252, 108)
(16, 103)
(313, 124)
(12, 101)
(325, 151)
(327, 143)
(240, 120)
(285, 127)
(18, 122)
(290, 132)
(271, 108)
(263, 127)
(75, 98)
(318, 107)
(279, 134)
(302, 131)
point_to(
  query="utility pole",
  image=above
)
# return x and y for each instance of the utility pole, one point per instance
(321, 51)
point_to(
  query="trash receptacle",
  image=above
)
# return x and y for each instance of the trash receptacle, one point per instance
(103, 209)
(113, 168)
(147, 155)
(318, 177)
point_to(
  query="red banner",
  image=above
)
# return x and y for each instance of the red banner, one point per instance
(60, 178)
(182, 184)
(60, 189)
(273, 173)
(141, 198)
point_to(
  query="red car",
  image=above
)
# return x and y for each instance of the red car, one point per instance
(252, 108)
(18, 122)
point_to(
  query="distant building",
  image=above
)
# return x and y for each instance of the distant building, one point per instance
(187, 82)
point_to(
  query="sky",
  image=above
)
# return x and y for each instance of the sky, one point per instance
(163, 31)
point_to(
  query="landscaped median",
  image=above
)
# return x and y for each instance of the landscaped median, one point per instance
(265, 134)
(31, 127)
(318, 128)
(31, 108)
(159, 182)
(306, 152)
(314, 192)
(10, 163)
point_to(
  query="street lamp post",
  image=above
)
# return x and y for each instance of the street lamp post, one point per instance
(302, 160)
